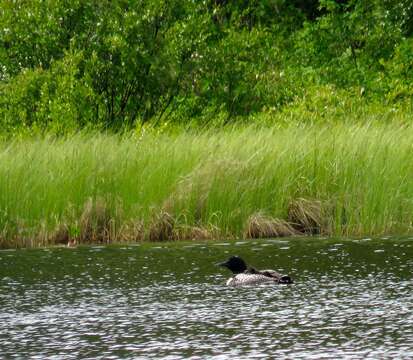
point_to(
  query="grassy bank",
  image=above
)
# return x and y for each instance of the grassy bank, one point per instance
(254, 182)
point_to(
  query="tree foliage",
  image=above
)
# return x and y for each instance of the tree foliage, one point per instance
(114, 64)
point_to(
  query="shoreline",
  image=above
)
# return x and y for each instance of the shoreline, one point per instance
(250, 182)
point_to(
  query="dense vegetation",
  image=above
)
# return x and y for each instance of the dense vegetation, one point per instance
(67, 65)
(315, 96)
(252, 182)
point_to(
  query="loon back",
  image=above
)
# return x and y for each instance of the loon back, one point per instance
(250, 279)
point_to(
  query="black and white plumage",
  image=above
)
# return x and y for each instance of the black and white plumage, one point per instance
(244, 275)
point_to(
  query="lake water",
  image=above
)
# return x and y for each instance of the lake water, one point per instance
(351, 299)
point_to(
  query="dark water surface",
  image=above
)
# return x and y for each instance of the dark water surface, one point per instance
(351, 299)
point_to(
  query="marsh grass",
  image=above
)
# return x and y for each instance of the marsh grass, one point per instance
(340, 180)
(260, 226)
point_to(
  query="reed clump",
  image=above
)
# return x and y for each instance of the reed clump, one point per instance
(162, 227)
(60, 236)
(261, 226)
(307, 217)
(131, 231)
(197, 233)
(342, 179)
(96, 224)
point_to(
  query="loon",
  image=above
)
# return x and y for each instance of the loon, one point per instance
(243, 275)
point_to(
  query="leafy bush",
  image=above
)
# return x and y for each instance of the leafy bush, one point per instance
(67, 65)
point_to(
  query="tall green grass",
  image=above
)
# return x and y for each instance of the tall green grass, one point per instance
(360, 175)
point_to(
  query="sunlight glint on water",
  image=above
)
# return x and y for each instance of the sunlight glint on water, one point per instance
(350, 299)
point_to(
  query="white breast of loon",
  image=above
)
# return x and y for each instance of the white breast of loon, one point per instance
(249, 279)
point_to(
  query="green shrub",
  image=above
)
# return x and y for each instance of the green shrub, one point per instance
(68, 65)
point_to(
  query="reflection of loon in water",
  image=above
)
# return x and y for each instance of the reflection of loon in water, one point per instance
(244, 275)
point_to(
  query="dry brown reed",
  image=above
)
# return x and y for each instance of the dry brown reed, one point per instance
(306, 216)
(96, 224)
(196, 233)
(131, 231)
(161, 227)
(261, 226)
(60, 236)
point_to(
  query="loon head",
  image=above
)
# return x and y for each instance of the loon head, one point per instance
(235, 264)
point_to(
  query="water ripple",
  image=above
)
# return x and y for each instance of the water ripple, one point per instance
(349, 300)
